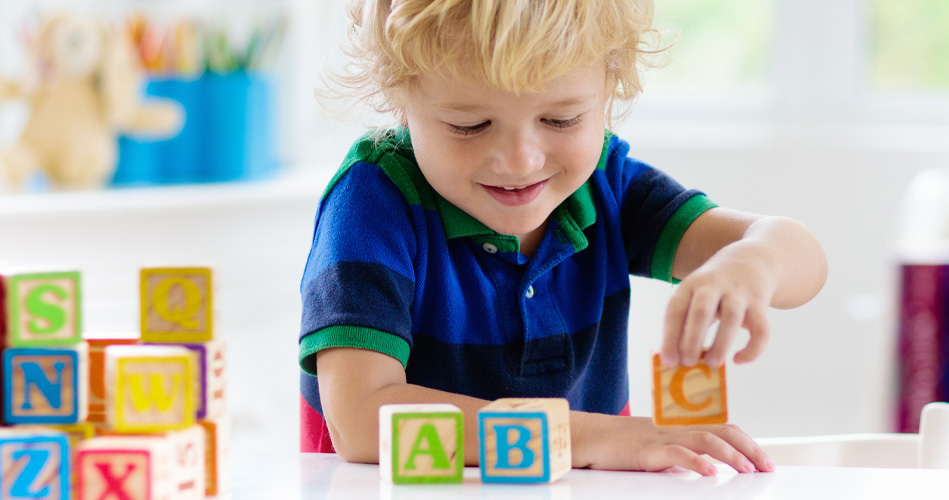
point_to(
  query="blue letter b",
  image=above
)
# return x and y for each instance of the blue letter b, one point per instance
(505, 446)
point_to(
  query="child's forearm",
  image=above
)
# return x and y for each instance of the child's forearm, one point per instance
(792, 251)
(359, 433)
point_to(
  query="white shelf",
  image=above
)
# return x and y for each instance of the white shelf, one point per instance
(293, 183)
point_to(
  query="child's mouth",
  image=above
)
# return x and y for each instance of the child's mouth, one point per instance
(513, 196)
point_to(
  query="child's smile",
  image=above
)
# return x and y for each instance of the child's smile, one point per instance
(508, 159)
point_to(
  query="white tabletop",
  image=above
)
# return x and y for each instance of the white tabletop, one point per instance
(286, 475)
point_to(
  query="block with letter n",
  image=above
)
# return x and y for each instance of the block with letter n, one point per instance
(176, 304)
(421, 443)
(41, 308)
(45, 385)
(689, 395)
(149, 388)
(34, 463)
(524, 440)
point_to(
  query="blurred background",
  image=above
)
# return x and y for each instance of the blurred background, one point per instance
(833, 113)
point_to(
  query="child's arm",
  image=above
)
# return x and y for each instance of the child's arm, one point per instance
(733, 266)
(354, 383)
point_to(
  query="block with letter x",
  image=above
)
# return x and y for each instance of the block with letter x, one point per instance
(524, 440)
(145, 467)
(34, 463)
(689, 395)
(421, 443)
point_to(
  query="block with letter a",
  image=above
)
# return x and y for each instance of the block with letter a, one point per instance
(421, 443)
(524, 440)
(689, 395)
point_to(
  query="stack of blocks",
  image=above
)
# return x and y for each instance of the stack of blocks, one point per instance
(112, 418)
(521, 441)
(526, 440)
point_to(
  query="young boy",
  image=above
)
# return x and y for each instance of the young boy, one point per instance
(483, 248)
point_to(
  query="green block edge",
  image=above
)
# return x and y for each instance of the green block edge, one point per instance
(459, 454)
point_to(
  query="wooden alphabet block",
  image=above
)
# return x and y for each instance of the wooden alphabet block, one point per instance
(524, 440)
(149, 388)
(689, 395)
(176, 304)
(148, 467)
(98, 398)
(45, 385)
(212, 378)
(42, 309)
(421, 443)
(217, 434)
(34, 463)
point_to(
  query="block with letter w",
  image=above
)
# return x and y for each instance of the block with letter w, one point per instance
(149, 388)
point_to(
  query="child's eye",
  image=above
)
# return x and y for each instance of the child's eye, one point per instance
(563, 123)
(468, 129)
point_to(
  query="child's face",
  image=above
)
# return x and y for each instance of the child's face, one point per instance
(508, 160)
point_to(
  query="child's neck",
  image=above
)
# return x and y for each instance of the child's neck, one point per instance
(530, 241)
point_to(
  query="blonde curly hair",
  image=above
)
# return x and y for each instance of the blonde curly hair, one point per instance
(513, 45)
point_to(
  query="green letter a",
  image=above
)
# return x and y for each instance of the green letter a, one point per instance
(428, 433)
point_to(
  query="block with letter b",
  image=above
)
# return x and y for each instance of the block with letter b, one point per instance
(689, 395)
(34, 463)
(45, 385)
(421, 443)
(176, 304)
(41, 308)
(149, 388)
(524, 440)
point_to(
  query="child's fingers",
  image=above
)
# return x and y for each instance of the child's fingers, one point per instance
(718, 448)
(703, 309)
(675, 455)
(672, 327)
(731, 315)
(744, 444)
(756, 321)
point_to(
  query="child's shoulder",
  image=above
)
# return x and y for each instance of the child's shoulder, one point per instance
(385, 156)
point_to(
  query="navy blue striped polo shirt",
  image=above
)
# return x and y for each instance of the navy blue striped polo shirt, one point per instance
(396, 268)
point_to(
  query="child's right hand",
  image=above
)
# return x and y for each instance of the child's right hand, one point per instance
(635, 443)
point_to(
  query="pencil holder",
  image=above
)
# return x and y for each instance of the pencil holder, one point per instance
(228, 133)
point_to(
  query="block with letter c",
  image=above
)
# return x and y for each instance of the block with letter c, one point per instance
(689, 395)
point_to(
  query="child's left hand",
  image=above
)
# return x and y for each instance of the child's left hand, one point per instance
(735, 266)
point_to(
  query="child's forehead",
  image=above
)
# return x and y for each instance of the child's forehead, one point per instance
(466, 89)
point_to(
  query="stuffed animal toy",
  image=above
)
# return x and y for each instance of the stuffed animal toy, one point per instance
(87, 90)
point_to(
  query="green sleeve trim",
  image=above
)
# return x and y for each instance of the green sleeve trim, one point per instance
(672, 233)
(351, 336)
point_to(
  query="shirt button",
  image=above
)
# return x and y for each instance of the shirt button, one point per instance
(530, 292)
(488, 247)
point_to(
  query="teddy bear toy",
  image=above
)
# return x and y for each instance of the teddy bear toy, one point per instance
(86, 91)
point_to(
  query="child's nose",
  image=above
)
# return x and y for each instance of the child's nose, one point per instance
(523, 156)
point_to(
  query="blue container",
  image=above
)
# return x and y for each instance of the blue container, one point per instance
(228, 133)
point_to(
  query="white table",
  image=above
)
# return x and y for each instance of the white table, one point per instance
(287, 475)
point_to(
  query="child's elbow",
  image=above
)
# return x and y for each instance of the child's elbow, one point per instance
(353, 447)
